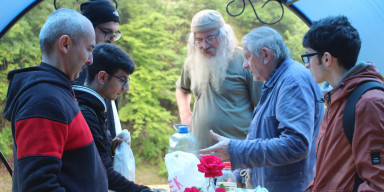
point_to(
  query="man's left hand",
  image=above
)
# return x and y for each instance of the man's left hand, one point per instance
(220, 149)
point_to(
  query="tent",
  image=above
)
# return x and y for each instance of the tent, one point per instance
(366, 15)
(12, 11)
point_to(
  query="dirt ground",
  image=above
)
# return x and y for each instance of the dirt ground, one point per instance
(5, 179)
(148, 175)
(145, 175)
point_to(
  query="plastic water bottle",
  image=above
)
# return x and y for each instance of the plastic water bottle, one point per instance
(183, 141)
(227, 179)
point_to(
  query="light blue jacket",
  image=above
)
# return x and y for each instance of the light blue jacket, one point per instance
(280, 146)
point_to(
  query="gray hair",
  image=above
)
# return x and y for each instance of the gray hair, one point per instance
(267, 37)
(62, 22)
(226, 38)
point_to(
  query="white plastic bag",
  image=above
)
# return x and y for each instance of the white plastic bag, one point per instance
(124, 161)
(183, 171)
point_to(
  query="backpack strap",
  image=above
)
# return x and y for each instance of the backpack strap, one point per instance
(349, 115)
(349, 110)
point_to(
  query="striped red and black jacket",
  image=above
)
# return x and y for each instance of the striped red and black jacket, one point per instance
(53, 146)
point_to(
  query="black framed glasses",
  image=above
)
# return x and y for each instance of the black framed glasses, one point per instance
(109, 35)
(306, 57)
(123, 81)
(209, 40)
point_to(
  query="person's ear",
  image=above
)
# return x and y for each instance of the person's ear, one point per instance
(102, 77)
(328, 59)
(65, 43)
(266, 55)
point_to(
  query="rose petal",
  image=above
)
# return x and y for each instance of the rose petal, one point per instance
(193, 189)
(211, 166)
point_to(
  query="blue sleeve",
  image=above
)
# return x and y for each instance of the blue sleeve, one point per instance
(40, 143)
(292, 118)
(39, 173)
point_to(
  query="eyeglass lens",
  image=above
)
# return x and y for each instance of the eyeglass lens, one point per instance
(209, 40)
(125, 84)
(109, 35)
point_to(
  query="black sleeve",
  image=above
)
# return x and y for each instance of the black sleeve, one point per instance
(116, 181)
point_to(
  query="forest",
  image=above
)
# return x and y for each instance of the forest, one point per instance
(155, 35)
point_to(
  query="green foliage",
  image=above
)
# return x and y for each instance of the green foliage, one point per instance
(151, 40)
(6, 142)
(154, 34)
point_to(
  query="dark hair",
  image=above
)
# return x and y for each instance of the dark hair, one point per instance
(337, 36)
(109, 58)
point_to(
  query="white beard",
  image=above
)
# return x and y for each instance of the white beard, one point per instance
(208, 70)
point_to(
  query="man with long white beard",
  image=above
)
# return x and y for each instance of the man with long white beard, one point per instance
(225, 94)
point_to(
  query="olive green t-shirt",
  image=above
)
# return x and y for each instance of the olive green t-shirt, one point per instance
(227, 112)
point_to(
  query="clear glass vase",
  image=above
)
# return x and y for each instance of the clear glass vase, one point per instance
(209, 185)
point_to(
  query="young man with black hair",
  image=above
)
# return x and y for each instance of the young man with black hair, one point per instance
(108, 77)
(332, 45)
(105, 20)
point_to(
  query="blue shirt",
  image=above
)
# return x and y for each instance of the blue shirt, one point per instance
(280, 145)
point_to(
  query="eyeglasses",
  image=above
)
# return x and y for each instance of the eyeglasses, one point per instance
(209, 40)
(125, 82)
(109, 35)
(306, 57)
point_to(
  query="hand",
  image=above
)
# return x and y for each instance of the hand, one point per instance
(220, 149)
(185, 118)
(115, 142)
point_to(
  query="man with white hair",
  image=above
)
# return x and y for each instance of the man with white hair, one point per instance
(225, 93)
(280, 147)
(53, 147)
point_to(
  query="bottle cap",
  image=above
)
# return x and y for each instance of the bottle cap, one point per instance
(227, 165)
(183, 129)
(176, 127)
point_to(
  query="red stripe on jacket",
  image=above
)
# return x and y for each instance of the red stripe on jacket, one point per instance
(40, 136)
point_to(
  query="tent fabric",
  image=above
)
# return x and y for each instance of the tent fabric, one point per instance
(366, 15)
(12, 11)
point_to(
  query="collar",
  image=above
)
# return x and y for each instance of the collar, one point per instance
(277, 72)
(326, 87)
(92, 92)
(46, 65)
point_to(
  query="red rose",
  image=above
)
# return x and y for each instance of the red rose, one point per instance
(211, 166)
(193, 189)
(220, 190)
